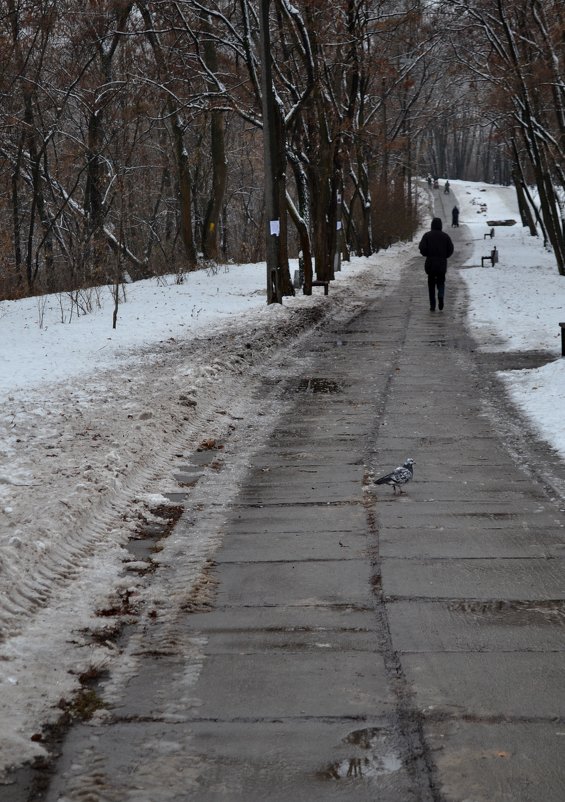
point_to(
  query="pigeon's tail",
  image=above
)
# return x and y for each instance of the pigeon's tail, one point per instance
(383, 480)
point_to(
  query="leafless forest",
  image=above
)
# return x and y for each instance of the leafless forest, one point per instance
(131, 133)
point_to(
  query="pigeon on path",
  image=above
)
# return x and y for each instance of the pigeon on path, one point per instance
(398, 477)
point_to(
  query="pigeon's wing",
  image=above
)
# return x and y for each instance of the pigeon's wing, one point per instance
(402, 475)
(392, 477)
(385, 480)
(399, 476)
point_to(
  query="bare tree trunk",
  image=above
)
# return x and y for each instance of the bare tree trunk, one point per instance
(286, 285)
(525, 211)
(555, 229)
(301, 219)
(16, 214)
(218, 153)
(321, 180)
(185, 192)
(210, 247)
(93, 203)
(304, 237)
(181, 155)
(361, 201)
(271, 162)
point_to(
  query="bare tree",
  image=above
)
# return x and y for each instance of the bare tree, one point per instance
(515, 53)
(130, 131)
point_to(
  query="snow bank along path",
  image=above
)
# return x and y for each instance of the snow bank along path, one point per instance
(516, 306)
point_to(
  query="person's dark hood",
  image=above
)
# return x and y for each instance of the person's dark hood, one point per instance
(436, 224)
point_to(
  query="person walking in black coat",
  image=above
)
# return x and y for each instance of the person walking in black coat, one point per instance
(437, 247)
(455, 217)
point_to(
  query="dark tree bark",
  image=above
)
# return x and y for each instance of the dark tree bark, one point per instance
(301, 218)
(181, 155)
(210, 229)
(525, 211)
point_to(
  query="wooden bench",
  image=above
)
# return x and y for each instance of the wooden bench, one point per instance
(324, 284)
(493, 257)
(489, 234)
(562, 338)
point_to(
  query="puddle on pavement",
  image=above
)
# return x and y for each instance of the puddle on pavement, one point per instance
(515, 613)
(463, 343)
(165, 520)
(143, 545)
(380, 761)
(364, 767)
(492, 516)
(316, 384)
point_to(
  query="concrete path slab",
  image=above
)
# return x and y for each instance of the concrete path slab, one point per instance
(495, 684)
(478, 626)
(504, 540)
(495, 578)
(298, 518)
(317, 582)
(406, 512)
(292, 684)
(506, 761)
(302, 618)
(288, 547)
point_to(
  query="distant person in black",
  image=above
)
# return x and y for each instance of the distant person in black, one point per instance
(437, 247)
(455, 217)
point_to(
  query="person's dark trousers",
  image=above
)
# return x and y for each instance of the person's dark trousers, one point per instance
(436, 280)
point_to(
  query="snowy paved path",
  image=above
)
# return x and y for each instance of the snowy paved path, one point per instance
(342, 642)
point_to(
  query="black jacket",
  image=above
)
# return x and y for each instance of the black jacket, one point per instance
(437, 247)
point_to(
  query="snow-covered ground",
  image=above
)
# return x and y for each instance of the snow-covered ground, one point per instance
(518, 305)
(92, 418)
